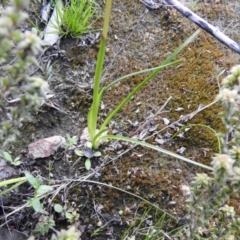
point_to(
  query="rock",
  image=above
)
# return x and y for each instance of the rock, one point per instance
(45, 147)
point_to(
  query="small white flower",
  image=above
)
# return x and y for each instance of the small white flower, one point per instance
(237, 170)
(227, 95)
(31, 40)
(229, 211)
(236, 70)
(236, 176)
(185, 190)
(199, 230)
(6, 22)
(202, 179)
(223, 161)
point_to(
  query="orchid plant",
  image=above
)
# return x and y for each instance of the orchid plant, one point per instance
(97, 135)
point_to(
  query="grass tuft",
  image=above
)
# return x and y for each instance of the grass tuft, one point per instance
(77, 18)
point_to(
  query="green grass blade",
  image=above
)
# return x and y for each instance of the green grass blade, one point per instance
(129, 193)
(180, 48)
(90, 124)
(11, 188)
(95, 140)
(147, 79)
(148, 145)
(132, 93)
(13, 180)
(139, 72)
(98, 73)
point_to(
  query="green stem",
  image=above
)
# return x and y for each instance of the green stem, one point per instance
(95, 140)
(131, 94)
(13, 180)
(11, 188)
(93, 112)
(137, 73)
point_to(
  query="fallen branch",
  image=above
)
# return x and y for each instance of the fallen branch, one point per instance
(214, 31)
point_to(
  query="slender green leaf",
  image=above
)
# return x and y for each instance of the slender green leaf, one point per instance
(93, 113)
(148, 145)
(140, 72)
(147, 79)
(203, 126)
(11, 188)
(13, 180)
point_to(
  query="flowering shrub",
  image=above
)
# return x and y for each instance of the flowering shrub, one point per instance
(209, 216)
(19, 92)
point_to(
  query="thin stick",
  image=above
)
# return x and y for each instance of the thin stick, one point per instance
(214, 31)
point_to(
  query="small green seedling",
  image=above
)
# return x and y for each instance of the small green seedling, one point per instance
(70, 141)
(44, 224)
(15, 162)
(88, 153)
(72, 216)
(40, 189)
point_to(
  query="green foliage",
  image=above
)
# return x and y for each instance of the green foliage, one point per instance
(88, 153)
(209, 216)
(76, 18)
(151, 146)
(58, 208)
(88, 164)
(71, 234)
(44, 224)
(20, 92)
(40, 189)
(72, 216)
(70, 141)
(15, 181)
(15, 162)
(97, 135)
